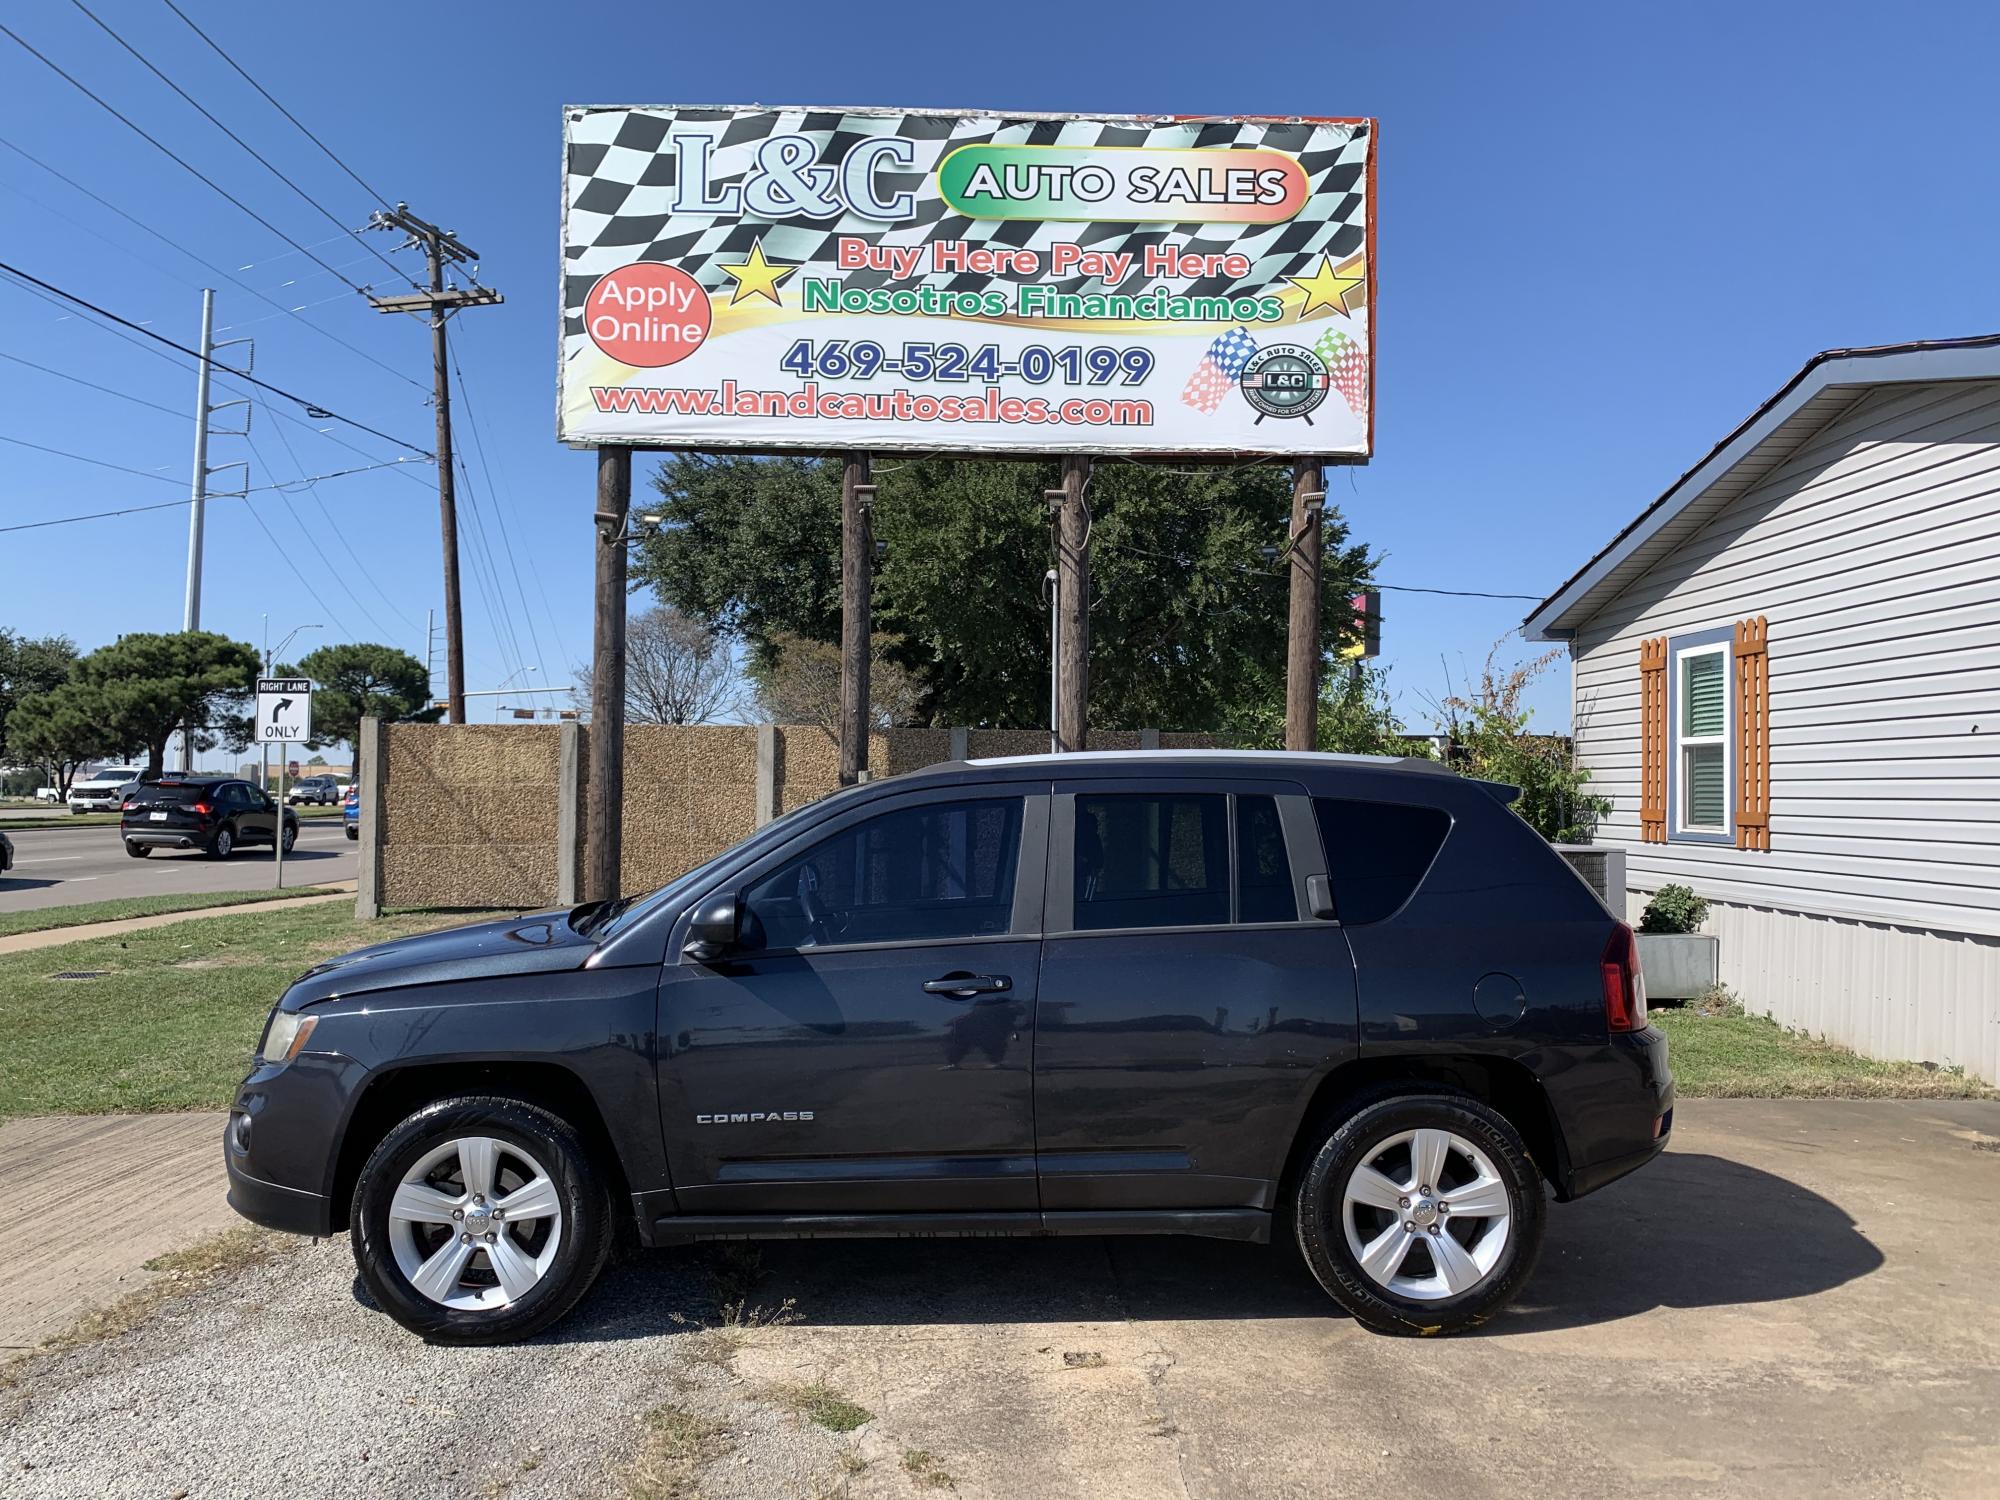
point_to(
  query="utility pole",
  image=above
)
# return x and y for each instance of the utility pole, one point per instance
(604, 809)
(1073, 603)
(857, 562)
(191, 613)
(438, 304)
(1302, 646)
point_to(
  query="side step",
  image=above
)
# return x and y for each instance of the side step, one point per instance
(1250, 1225)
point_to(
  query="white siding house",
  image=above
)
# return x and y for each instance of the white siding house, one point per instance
(1857, 514)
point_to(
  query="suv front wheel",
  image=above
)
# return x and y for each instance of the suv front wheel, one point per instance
(480, 1221)
(1421, 1213)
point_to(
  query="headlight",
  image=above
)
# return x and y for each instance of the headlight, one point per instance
(286, 1036)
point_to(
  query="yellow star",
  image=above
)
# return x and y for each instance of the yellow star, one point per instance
(1327, 287)
(757, 277)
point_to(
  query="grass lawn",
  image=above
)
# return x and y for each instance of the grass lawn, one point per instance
(49, 918)
(1717, 1052)
(173, 1022)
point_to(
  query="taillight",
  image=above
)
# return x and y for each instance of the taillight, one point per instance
(1624, 985)
(127, 806)
(201, 808)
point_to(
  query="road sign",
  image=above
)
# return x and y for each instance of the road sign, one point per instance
(284, 710)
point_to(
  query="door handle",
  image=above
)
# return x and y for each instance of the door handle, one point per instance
(965, 986)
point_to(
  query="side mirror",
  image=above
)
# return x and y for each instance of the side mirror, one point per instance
(1319, 897)
(712, 929)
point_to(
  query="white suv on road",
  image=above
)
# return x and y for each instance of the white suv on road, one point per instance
(105, 790)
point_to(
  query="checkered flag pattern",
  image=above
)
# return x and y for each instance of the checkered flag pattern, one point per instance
(1347, 360)
(621, 177)
(1217, 372)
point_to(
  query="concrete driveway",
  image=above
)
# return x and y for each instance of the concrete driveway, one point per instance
(1799, 1299)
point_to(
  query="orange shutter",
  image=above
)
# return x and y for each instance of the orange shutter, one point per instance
(1753, 735)
(1653, 740)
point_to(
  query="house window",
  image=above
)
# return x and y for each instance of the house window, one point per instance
(1702, 718)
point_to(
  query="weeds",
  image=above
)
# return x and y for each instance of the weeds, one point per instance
(677, 1443)
(820, 1403)
(922, 1466)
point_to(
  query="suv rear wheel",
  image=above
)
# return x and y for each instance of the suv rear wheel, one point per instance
(1421, 1213)
(480, 1221)
(223, 844)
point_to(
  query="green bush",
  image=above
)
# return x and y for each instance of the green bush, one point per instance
(1674, 908)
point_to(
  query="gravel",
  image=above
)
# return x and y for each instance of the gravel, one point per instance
(283, 1381)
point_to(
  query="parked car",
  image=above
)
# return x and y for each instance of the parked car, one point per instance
(48, 794)
(105, 790)
(1353, 1000)
(215, 814)
(320, 791)
(350, 811)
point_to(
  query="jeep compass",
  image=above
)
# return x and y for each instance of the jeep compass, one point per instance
(1353, 1002)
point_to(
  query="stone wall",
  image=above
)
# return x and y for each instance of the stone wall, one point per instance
(491, 815)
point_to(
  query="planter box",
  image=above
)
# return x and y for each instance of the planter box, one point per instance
(1679, 965)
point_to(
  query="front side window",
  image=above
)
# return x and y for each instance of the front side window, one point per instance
(936, 871)
(1701, 726)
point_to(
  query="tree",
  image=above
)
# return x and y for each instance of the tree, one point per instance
(61, 730)
(363, 681)
(29, 666)
(152, 686)
(1356, 717)
(1188, 618)
(1488, 738)
(802, 685)
(677, 671)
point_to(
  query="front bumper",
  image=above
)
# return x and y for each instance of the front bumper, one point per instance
(292, 1210)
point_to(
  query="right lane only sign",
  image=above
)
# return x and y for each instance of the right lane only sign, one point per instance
(284, 710)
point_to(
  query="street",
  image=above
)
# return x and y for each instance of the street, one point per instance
(63, 866)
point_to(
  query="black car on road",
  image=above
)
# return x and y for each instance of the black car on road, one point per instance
(1353, 1002)
(215, 814)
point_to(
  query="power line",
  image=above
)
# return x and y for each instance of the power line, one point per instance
(285, 494)
(311, 406)
(261, 159)
(1366, 583)
(80, 458)
(500, 515)
(371, 192)
(1408, 588)
(304, 582)
(167, 151)
(93, 385)
(133, 510)
(237, 282)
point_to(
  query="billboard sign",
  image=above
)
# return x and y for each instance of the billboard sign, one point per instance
(804, 279)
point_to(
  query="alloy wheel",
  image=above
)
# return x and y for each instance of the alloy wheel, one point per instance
(1426, 1215)
(475, 1223)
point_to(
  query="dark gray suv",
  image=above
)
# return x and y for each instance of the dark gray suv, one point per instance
(1355, 1002)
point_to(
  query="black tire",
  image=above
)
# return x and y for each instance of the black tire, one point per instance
(586, 1223)
(354, 833)
(1357, 1140)
(138, 851)
(223, 844)
(290, 836)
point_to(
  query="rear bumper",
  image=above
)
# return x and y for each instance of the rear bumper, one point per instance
(165, 838)
(1620, 1112)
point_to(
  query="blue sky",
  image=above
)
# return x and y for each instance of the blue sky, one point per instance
(1605, 233)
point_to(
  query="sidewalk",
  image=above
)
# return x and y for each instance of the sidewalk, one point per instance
(90, 1199)
(22, 942)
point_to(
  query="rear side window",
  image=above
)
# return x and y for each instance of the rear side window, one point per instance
(1152, 861)
(1376, 852)
(1263, 871)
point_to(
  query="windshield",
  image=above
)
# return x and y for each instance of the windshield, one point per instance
(169, 795)
(604, 920)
